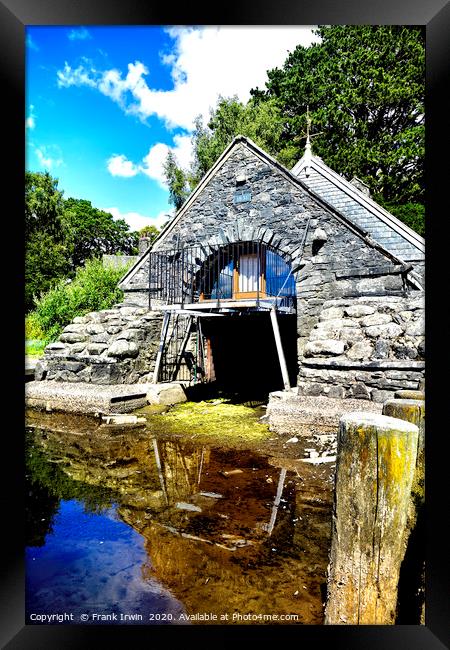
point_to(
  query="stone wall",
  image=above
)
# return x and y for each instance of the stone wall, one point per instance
(336, 267)
(366, 347)
(113, 346)
(277, 213)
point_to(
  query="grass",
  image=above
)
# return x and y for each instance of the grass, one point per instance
(35, 347)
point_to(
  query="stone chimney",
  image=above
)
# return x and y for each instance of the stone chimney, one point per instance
(144, 244)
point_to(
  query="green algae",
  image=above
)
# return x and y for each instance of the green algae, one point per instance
(212, 419)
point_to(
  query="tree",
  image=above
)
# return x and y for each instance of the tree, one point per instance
(365, 89)
(176, 180)
(43, 205)
(91, 232)
(149, 231)
(46, 253)
(46, 263)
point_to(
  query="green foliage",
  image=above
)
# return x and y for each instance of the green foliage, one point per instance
(46, 263)
(261, 122)
(149, 231)
(90, 232)
(35, 347)
(365, 89)
(43, 205)
(93, 288)
(60, 235)
(176, 180)
(33, 329)
(413, 214)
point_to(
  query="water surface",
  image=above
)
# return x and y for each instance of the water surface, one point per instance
(170, 530)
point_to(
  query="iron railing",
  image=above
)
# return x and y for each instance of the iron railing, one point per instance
(212, 274)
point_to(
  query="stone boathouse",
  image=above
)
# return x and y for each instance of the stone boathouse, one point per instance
(285, 279)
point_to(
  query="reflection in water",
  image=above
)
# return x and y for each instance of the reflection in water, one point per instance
(172, 526)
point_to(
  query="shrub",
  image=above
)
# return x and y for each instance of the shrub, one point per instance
(93, 288)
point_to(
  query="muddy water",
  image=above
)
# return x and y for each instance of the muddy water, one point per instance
(144, 526)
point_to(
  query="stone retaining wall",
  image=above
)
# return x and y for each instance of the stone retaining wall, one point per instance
(366, 347)
(112, 346)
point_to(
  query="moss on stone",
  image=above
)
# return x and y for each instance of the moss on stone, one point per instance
(211, 419)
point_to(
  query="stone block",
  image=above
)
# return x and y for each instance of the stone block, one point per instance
(380, 396)
(165, 394)
(96, 348)
(331, 313)
(75, 327)
(359, 391)
(107, 373)
(131, 335)
(55, 348)
(356, 311)
(101, 338)
(325, 347)
(376, 319)
(73, 337)
(113, 329)
(77, 348)
(337, 392)
(94, 328)
(389, 331)
(40, 371)
(122, 349)
(360, 350)
(382, 349)
(337, 323)
(416, 327)
(351, 334)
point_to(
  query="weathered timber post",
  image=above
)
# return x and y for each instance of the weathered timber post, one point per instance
(412, 599)
(412, 410)
(409, 394)
(376, 459)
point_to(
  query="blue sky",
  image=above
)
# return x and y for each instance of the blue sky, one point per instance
(105, 104)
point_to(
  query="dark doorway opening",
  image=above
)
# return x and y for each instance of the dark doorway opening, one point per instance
(242, 358)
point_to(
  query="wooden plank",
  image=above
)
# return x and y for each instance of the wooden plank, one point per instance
(281, 357)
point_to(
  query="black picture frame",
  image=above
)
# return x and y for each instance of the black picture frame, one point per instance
(15, 15)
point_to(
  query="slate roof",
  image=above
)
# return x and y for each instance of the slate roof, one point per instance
(360, 209)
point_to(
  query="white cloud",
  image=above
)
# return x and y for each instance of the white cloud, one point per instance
(78, 77)
(119, 165)
(49, 156)
(152, 164)
(137, 221)
(79, 34)
(30, 122)
(31, 44)
(204, 63)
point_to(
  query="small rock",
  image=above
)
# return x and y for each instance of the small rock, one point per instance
(294, 439)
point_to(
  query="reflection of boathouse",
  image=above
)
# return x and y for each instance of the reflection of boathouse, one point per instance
(264, 277)
(222, 540)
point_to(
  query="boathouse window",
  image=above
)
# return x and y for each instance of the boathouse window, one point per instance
(246, 270)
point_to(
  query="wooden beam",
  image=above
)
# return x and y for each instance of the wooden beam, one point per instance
(281, 358)
(162, 343)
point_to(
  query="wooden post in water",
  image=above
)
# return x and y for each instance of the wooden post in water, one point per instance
(413, 410)
(376, 459)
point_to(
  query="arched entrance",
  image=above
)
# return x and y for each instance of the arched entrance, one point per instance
(238, 304)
